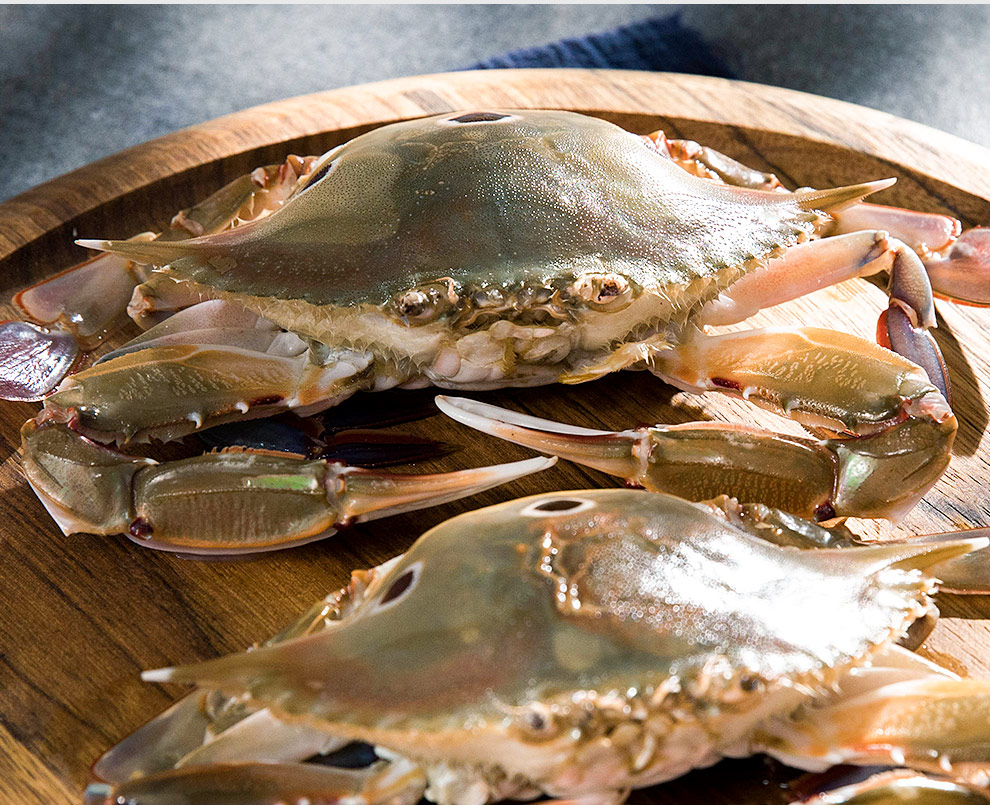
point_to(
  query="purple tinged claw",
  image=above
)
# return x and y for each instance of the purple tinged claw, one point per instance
(33, 361)
(963, 275)
(911, 289)
(896, 332)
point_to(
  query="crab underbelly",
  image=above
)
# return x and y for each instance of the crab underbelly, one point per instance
(505, 353)
(697, 744)
(475, 767)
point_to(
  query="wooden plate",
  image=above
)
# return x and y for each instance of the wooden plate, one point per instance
(81, 616)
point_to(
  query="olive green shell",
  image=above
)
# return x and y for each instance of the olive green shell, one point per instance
(614, 592)
(490, 200)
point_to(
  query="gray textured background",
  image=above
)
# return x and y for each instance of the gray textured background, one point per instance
(80, 82)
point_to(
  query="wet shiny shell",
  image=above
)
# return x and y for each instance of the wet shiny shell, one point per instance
(605, 592)
(491, 200)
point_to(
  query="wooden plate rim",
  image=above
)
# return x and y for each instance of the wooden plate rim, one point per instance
(944, 157)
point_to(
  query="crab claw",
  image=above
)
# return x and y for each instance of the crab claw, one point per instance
(868, 474)
(232, 502)
(896, 332)
(611, 452)
(267, 783)
(33, 361)
(696, 461)
(963, 275)
(872, 785)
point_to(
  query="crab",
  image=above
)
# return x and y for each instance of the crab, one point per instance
(576, 645)
(481, 250)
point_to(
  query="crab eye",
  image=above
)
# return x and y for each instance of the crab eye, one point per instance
(610, 290)
(612, 285)
(401, 586)
(538, 722)
(423, 305)
(413, 305)
(557, 506)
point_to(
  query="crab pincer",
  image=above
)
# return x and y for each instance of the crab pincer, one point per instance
(904, 326)
(889, 785)
(887, 431)
(499, 248)
(76, 309)
(957, 261)
(230, 502)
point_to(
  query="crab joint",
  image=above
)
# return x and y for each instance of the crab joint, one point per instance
(880, 475)
(235, 501)
(697, 461)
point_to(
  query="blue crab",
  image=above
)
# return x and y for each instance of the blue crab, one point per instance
(576, 645)
(482, 250)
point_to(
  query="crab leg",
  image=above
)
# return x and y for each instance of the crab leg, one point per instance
(893, 429)
(400, 783)
(899, 786)
(212, 363)
(170, 391)
(958, 262)
(87, 300)
(927, 723)
(903, 327)
(159, 297)
(707, 163)
(236, 501)
(890, 430)
(208, 727)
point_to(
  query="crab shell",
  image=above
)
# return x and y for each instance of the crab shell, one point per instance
(582, 641)
(415, 235)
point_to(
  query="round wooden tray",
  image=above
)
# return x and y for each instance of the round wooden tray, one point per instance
(81, 616)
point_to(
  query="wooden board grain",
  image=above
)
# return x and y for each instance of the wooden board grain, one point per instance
(81, 616)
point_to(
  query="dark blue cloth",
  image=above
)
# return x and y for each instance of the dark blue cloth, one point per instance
(653, 44)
